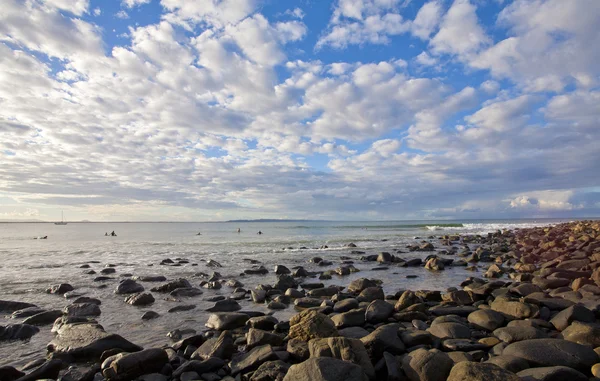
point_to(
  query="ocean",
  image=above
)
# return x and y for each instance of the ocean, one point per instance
(29, 265)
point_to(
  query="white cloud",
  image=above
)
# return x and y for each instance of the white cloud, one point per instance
(356, 22)
(426, 60)
(460, 32)
(97, 11)
(122, 15)
(77, 7)
(427, 20)
(135, 3)
(217, 13)
(296, 12)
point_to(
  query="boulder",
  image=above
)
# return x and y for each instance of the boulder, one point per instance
(424, 365)
(128, 286)
(325, 369)
(10, 373)
(310, 324)
(141, 299)
(576, 312)
(251, 360)
(342, 348)
(514, 309)
(298, 349)
(284, 282)
(378, 311)
(583, 333)
(552, 352)
(82, 310)
(280, 270)
(358, 285)
(371, 293)
(351, 318)
(186, 291)
(200, 367)
(226, 320)
(221, 347)
(511, 363)
(407, 299)
(551, 373)
(47, 370)
(129, 366)
(257, 337)
(345, 305)
(173, 285)
(43, 318)
(87, 342)
(17, 332)
(384, 339)
(270, 371)
(59, 289)
(513, 334)
(450, 331)
(226, 305)
(486, 319)
(473, 371)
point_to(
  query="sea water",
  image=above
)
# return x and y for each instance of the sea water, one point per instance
(28, 265)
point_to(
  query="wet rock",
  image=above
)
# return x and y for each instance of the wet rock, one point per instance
(9, 373)
(310, 324)
(226, 320)
(171, 286)
(583, 333)
(353, 332)
(128, 286)
(213, 285)
(258, 296)
(256, 270)
(551, 373)
(424, 365)
(48, 370)
(8, 306)
(280, 269)
(486, 319)
(300, 272)
(325, 369)
(26, 312)
(59, 289)
(141, 299)
(251, 360)
(552, 352)
(227, 305)
(345, 305)
(407, 299)
(262, 322)
(342, 348)
(43, 318)
(309, 302)
(86, 299)
(17, 332)
(513, 309)
(325, 291)
(358, 285)
(472, 371)
(87, 341)
(82, 310)
(284, 282)
(108, 270)
(130, 366)
(149, 315)
(186, 291)
(274, 305)
(181, 308)
(434, 264)
(199, 367)
(150, 278)
(378, 311)
(370, 294)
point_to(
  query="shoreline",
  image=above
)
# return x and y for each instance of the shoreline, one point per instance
(539, 290)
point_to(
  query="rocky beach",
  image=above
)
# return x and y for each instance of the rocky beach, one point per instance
(528, 311)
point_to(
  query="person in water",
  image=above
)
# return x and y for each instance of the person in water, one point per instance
(239, 230)
(106, 234)
(199, 233)
(113, 234)
(259, 232)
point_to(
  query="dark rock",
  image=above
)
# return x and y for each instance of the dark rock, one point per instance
(256, 270)
(9, 373)
(342, 348)
(511, 363)
(486, 319)
(221, 347)
(199, 367)
(450, 331)
(378, 311)
(257, 337)
(59, 289)
(258, 296)
(186, 291)
(43, 318)
(284, 282)
(181, 308)
(128, 286)
(370, 294)
(48, 370)
(574, 313)
(513, 334)
(271, 371)
(149, 315)
(82, 310)
(358, 285)
(351, 318)
(384, 339)
(141, 299)
(129, 366)
(227, 305)
(7, 306)
(266, 323)
(551, 373)
(173, 285)
(26, 312)
(150, 278)
(280, 269)
(17, 332)
(552, 352)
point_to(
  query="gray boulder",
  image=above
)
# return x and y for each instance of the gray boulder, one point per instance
(141, 299)
(128, 286)
(325, 369)
(226, 320)
(17, 332)
(551, 373)
(424, 365)
(553, 352)
(129, 366)
(473, 371)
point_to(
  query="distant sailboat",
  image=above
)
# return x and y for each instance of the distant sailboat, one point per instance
(62, 219)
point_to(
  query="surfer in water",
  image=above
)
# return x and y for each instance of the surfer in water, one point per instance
(106, 234)
(199, 233)
(259, 232)
(239, 230)
(113, 234)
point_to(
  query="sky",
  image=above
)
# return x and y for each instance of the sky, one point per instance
(205, 110)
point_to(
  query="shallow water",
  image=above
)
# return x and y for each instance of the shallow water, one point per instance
(28, 265)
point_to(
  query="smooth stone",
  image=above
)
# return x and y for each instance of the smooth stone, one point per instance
(473, 371)
(551, 373)
(352, 350)
(353, 332)
(17, 332)
(149, 315)
(583, 333)
(325, 369)
(463, 345)
(379, 311)
(486, 319)
(306, 302)
(310, 324)
(29, 311)
(141, 299)
(513, 309)
(8, 306)
(574, 313)
(184, 307)
(450, 331)
(266, 323)
(128, 286)
(150, 278)
(251, 360)
(513, 334)
(511, 363)
(351, 318)
(129, 366)
(43, 318)
(345, 305)
(171, 286)
(227, 305)
(424, 365)
(82, 310)
(186, 291)
(553, 352)
(384, 339)
(199, 367)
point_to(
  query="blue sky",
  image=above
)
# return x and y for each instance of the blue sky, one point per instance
(343, 109)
